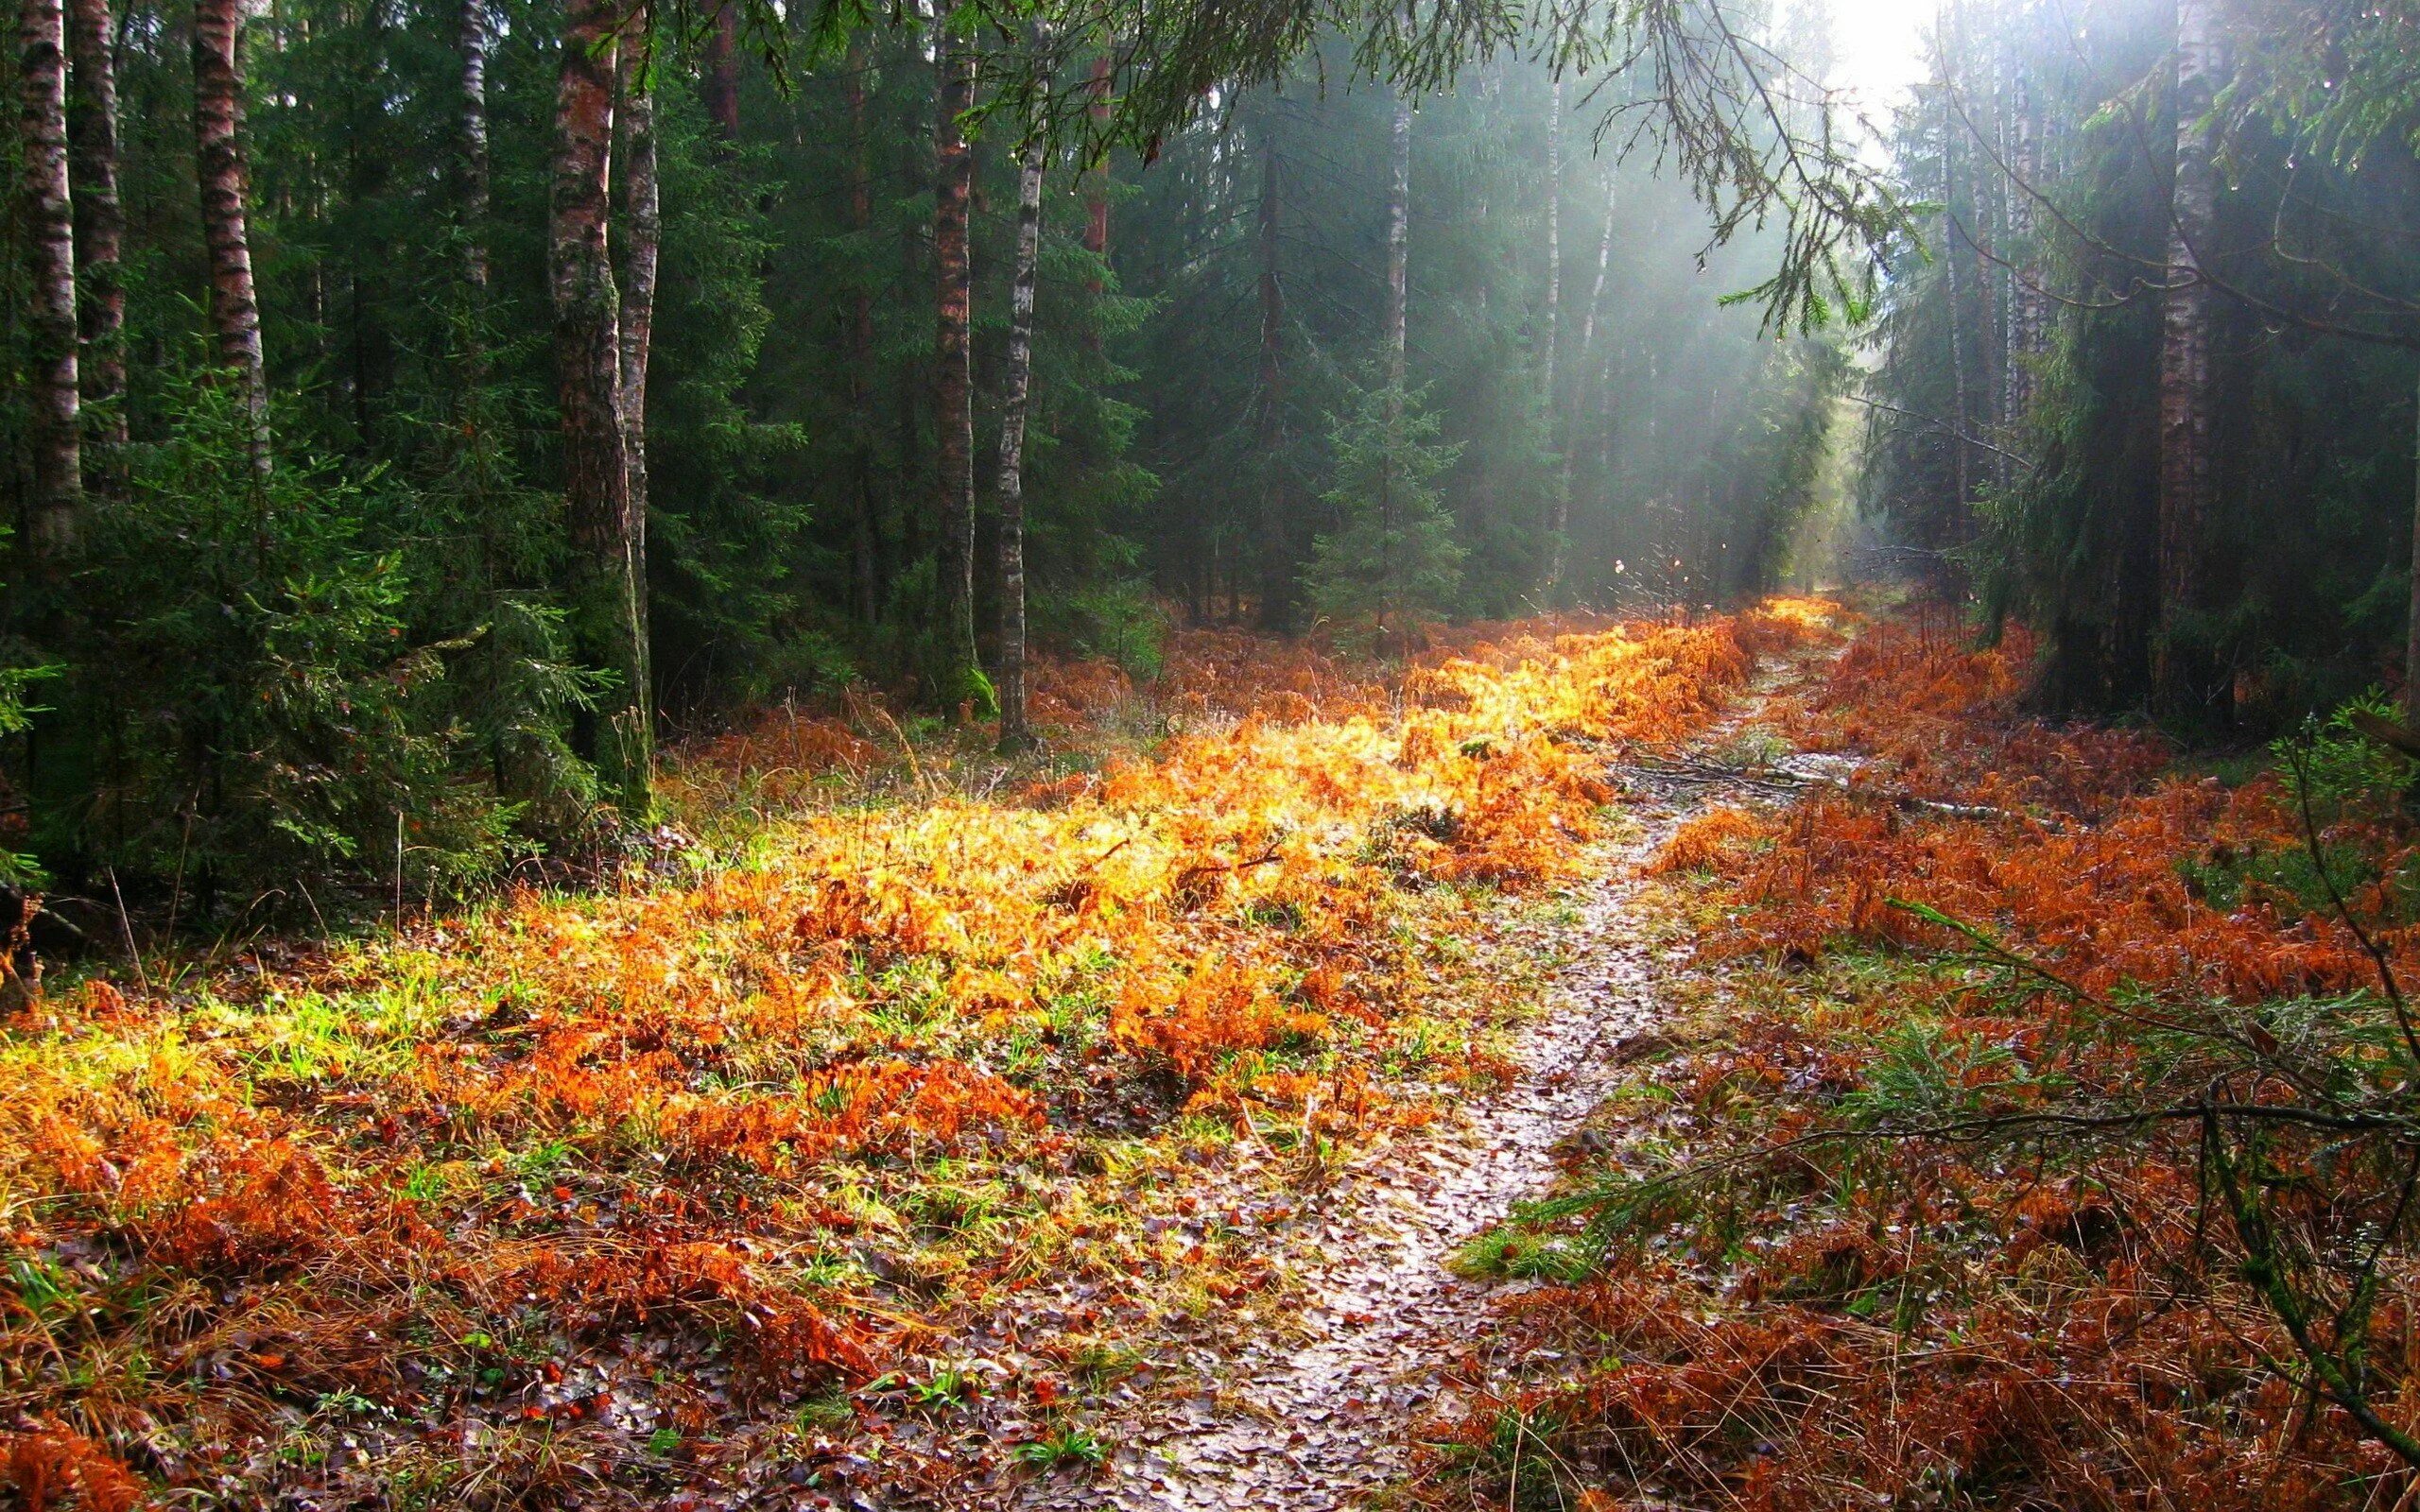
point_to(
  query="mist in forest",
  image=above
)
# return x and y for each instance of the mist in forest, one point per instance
(485, 391)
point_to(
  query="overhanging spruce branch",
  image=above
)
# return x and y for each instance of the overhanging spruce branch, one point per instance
(1759, 144)
(1955, 432)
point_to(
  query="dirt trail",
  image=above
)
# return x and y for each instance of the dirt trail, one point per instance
(1313, 1424)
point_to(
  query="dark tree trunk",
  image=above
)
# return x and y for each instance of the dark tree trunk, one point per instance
(226, 181)
(2411, 625)
(48, 214)
(1016, 390)
(866, 546)
(474, 166)
(1096, 176)
(100, 223)
(957, 674)
(2181, 676)
(720, 89)
(1277, 559)
(607, 587)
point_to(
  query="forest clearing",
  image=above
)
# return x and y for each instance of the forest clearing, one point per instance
(1581, 1068)
(754, 1175)
(1591, 756)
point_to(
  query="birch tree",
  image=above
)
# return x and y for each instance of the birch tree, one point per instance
(2185, 371)
(959, 677)
(1015, 392)
(225, 176)
(49, 218)
(100, 228)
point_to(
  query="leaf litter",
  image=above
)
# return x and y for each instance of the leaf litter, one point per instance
(1320, 1414)
(903, 1139)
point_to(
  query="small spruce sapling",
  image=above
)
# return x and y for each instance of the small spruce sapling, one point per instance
(1392, 558)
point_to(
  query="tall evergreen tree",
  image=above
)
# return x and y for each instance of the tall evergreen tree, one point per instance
(609, 579)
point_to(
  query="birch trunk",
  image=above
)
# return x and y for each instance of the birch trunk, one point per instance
(1554, 246)
(642, 219)
(606, 587)
(2026, 315)
(2181, 677)
(100, 222)
(1559, 528)
(960, 675)
(48, 214)
(1604, 261)
(1960, 412)
(476, 176)
(1398, 243)
(1398, 291)
(1559, 506)
(1016, 391)
(226, 181)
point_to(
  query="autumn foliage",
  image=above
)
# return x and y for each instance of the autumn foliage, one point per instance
(657, 1165)
(1923, 1210)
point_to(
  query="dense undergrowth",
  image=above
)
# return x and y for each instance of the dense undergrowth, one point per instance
(838, 1150)
(2038, 1130)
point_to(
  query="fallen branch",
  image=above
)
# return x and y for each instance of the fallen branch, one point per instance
(1792, 784)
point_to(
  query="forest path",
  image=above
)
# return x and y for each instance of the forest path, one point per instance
(1318, 1417)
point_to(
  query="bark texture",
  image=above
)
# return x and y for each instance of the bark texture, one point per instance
(608, 578)
(2411, 625)
(1961, 412)
(720, 89)
(1096, 176)
(643, 221)
(1096, 85)
(48, 215)
(1016, 391)
(1604, 261)
(1398, 240)
(100, 221)
(1558, 505)
(1554, 245)
(226, 186)
(2181, 678)
(953, 191)
(643, 208)
(474, 168)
